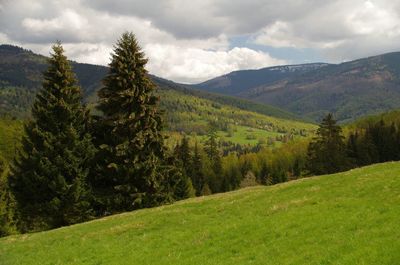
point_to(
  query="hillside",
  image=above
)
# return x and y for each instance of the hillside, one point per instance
(347, 218)
(388, 117)
(349, 90)
(186, 110)
(20, 77)
(237, 82)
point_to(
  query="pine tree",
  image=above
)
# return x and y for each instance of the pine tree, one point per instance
(197, 175)
(327, 152)
(49, 175)
(264, 173)
(184, 156)
(128, 174)
(213, 153)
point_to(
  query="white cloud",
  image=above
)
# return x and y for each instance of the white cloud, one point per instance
(69, 20)
(190, 65)
(372, 19)
(279, 34)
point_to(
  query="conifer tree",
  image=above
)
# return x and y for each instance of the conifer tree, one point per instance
(197, 175)
(49, 175)
(129, 137)
(183, 154)
(327, 152)
(213, 153)
(264, 172)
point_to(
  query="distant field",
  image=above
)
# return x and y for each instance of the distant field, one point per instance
(194, 116)
(347, 218)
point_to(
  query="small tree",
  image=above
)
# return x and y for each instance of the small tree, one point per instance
(184, 156)
(49, 175)
(248, 180)
(197, 174)
(327, 152)
(213, 153)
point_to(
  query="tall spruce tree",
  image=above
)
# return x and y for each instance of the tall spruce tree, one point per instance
(196, 174)
(213, 153)
(184, 156)
(49, 175)
(129, 137)
(327, 152)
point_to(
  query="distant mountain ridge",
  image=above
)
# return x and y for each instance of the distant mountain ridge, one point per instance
(21, 76)
(237, 82)
(349, 90)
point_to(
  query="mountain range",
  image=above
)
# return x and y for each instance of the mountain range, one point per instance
(21, 76)
(186, 110)
(348, 90)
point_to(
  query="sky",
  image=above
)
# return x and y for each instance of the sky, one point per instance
(190, 41)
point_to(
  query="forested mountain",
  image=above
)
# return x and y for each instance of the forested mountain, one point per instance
(21, 74)
(237, 82)
(190, 111)
(348, 90)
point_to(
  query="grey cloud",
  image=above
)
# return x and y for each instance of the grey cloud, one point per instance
(207, 18)
(336, 29)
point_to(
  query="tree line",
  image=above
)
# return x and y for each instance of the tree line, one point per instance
(331, 152)
(213, 170)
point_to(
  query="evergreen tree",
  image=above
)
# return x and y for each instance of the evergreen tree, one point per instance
(297, 168)
(197, 174)
(177, 185)
(213, 153)
(128, 173)
(264, 172)
(49, 176)
(183, 155)
(327, 152)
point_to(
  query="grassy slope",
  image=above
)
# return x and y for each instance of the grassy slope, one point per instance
(348, 218)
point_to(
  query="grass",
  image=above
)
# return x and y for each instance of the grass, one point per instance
(244, 135)
(347, 218)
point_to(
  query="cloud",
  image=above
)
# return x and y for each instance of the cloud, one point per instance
(339, 30)
(190, 65)
(193, 38)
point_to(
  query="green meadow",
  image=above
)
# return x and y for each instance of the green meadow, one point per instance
(346, 218)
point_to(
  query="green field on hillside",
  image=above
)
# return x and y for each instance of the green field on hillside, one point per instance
(194, 116)
(347, 218)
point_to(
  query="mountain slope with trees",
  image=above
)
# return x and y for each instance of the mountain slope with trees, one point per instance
(20, 78)
(348, 90)
(238, 82)
(191, 111)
